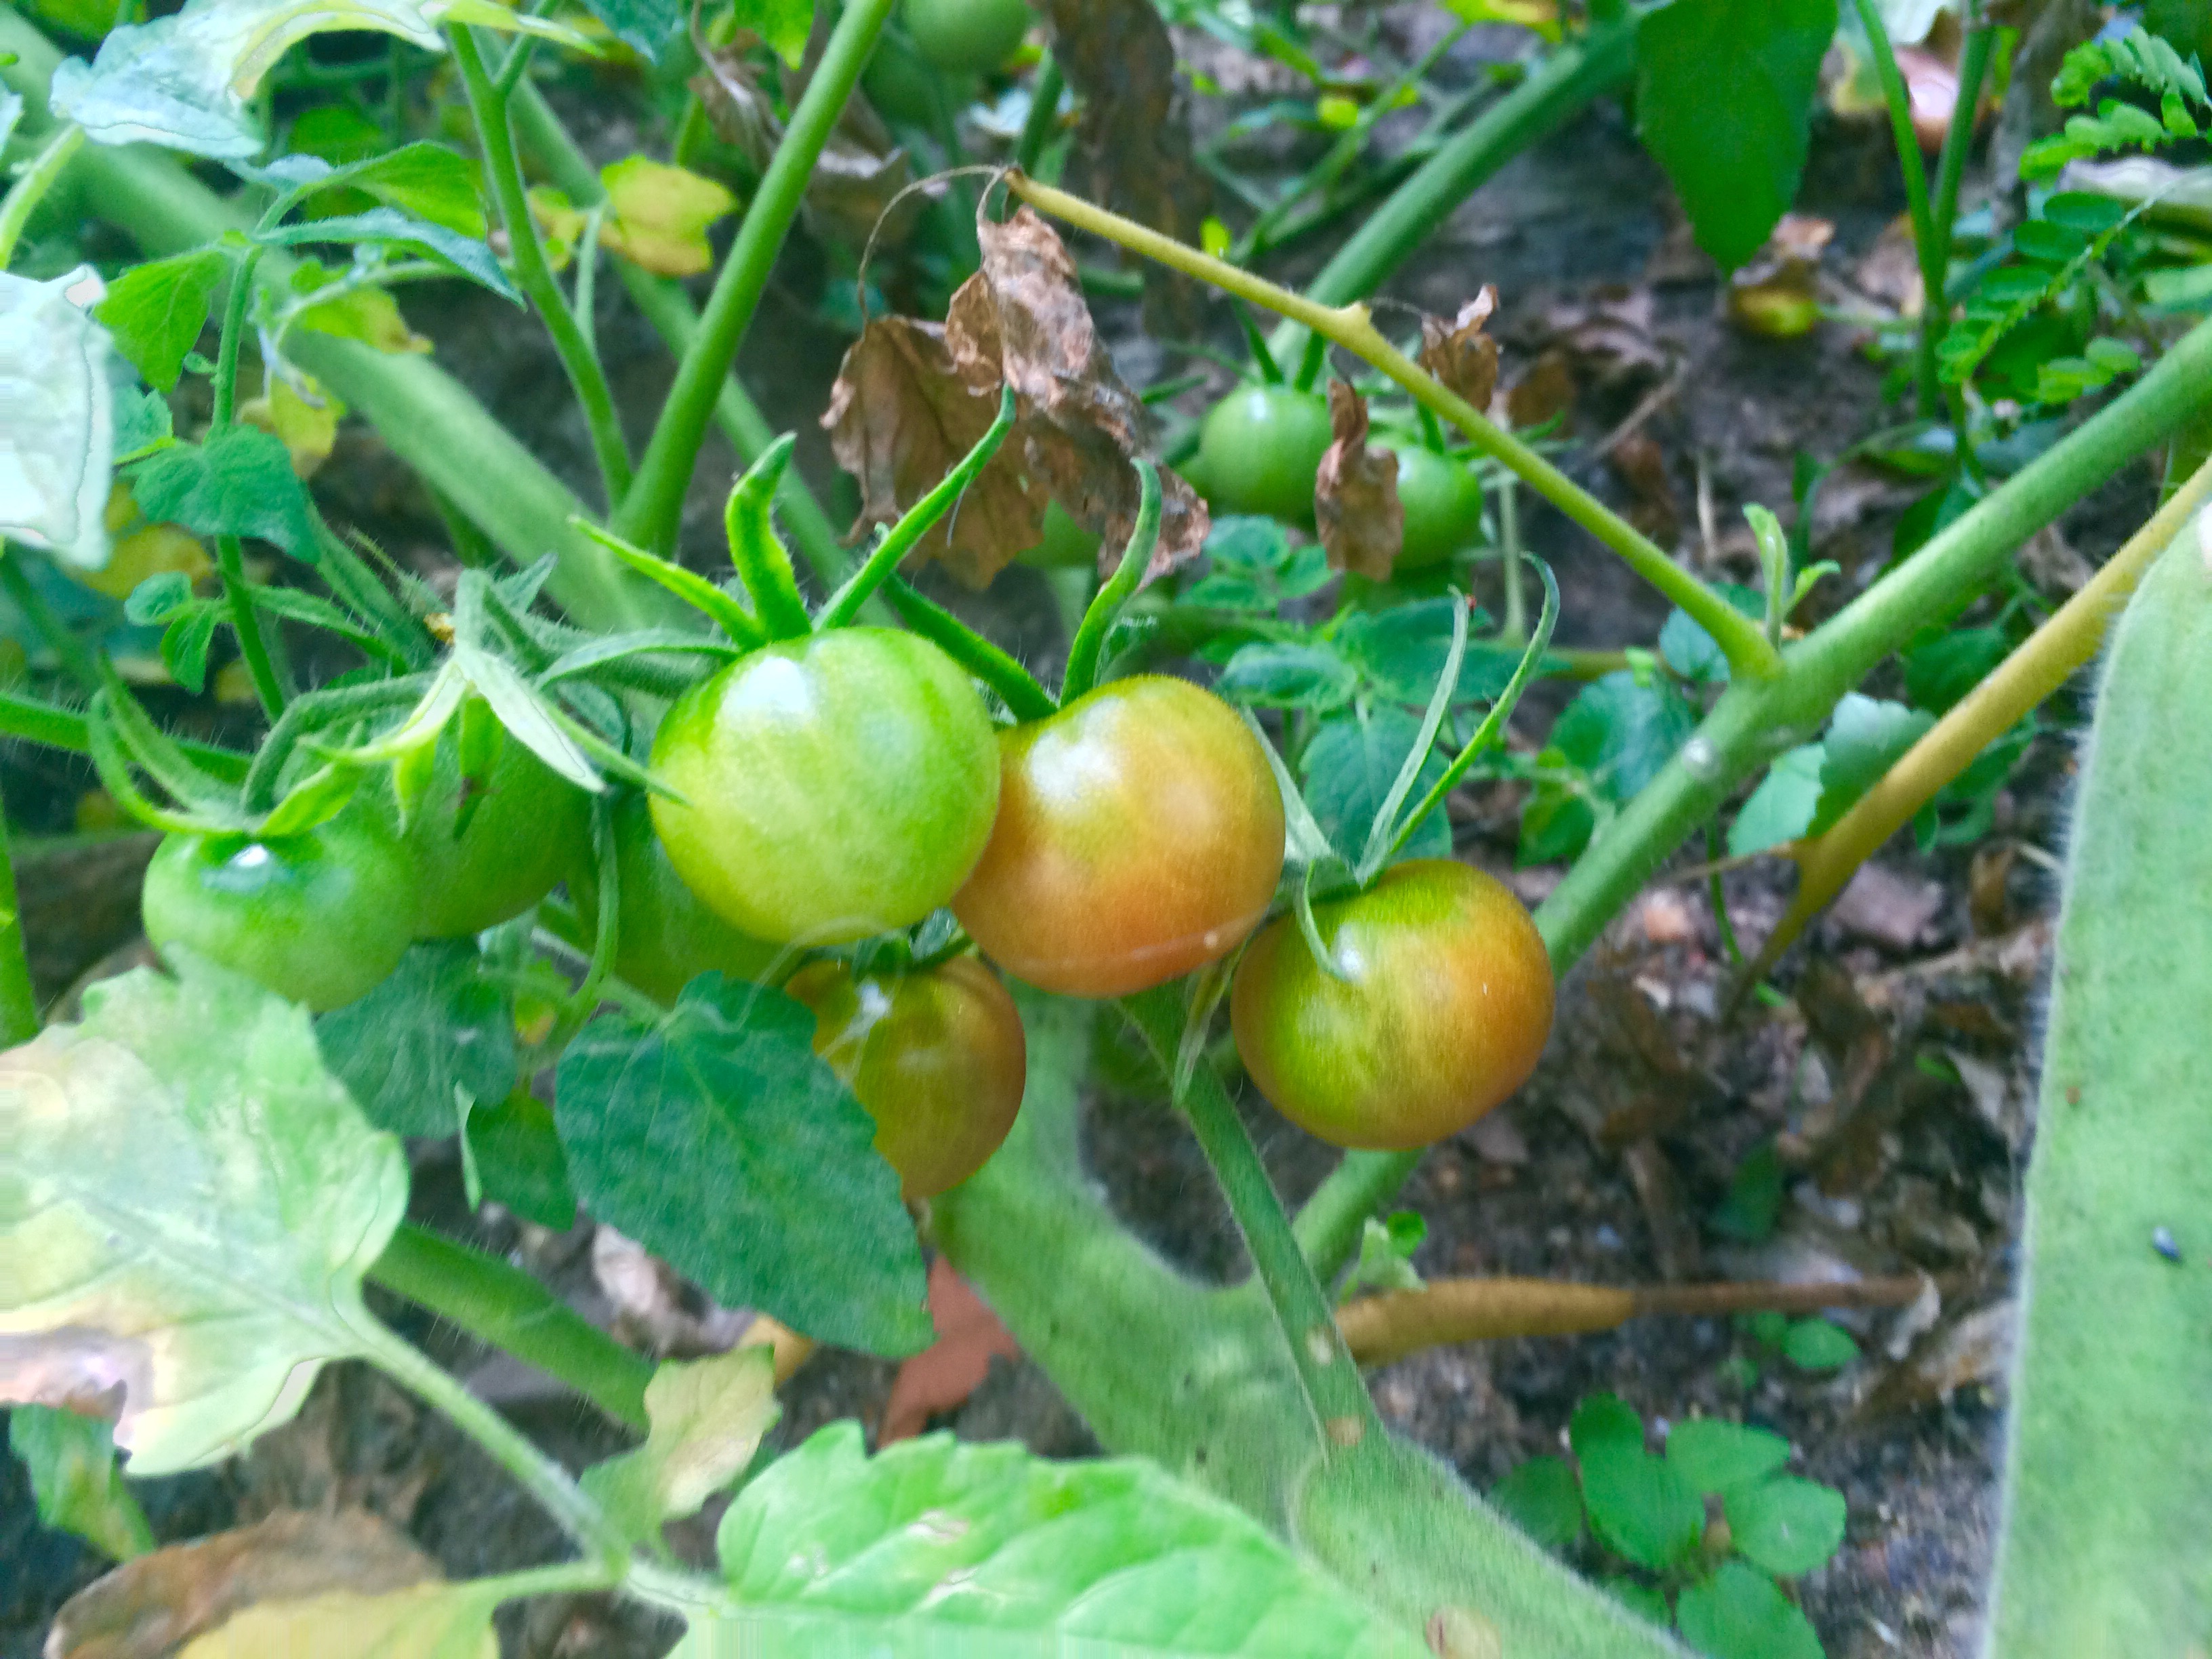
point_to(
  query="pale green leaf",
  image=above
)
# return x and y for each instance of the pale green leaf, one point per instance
(661, 214)
(184, 81)
(1781, 809)
(188, 1202)
(426, 1621)
(936, 1548)
(708, 1416)
(645, 25)
(155, 312)
(784, 24)
(1544, 1499)
(57, 416)
(71, 1461)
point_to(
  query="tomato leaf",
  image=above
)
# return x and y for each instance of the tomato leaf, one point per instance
(934, 1546)
(1460, 353)
(155, 312)
(516, 1152)
(1865, 738)
(185, 1217)
(1738, 1613)
(708, 1416)
(436, 1026)
(1291, 674)
(58, 445)
(370, 315)
(1347, 772)
(71, 1461)
(1781, 809)
(239, 483)
(1254, 568)
(719, 1141)
(1361, 521)
(428, 181)
(644, 26)
(661, 214)
(784, 24)
(1622, 732)
(1716, 1456)
(388, 227)
(1723, 97)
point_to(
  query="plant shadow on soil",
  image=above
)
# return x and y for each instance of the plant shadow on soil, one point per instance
(1908, 1050)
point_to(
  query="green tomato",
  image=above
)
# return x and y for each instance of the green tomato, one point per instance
(967, 36)
(1442, 1011)
(321, 918)
(666, 939)
(905, 89)
(937, 1057)
(1065, 544)
(1260, 450)
(1443, 501)
(530, 829)
(837, 786)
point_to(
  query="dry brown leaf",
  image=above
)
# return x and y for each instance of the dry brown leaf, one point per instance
(942, 1375)
(151, 1607)
(1543, 393)
(1021, 320)
(1134, 137)
(1778, 294)
(901, 417)
(1356, 506)
(1459, 353)
(1608, 335)
(1638, 462)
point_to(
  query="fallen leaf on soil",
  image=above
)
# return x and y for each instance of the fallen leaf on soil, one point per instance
(1777, 295)
(1973, 1348)
(1609, 336)
(1021, 321)
(901, 417)
(1659, 1191)
(1886, 909)
(1133, 135)
(1361, 521)
(654, 1307)
(942, 1375)
(1889, 272)
(1497, 1141)
(1638, 462)
(2053, 564)
(153, 1606)
(1460, 353)
(1543, 393)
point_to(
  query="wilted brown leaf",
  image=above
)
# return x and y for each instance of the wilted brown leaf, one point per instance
(1459, 353)
(942, 1375)
(1778, 294)
(1356, 506)
(1022, 321)
(901, 417)
(152, 1608)
(1134, 134)
(1543, 393)
(1608, 336)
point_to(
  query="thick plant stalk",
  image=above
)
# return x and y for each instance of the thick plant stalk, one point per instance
(650, 512)
(430, 420)
(2108, 1462)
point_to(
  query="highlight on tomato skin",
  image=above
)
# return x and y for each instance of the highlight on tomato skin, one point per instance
(1443, 1013)
(938, 1057)
(1139, 836)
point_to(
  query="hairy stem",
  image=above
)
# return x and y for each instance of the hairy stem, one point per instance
(1017, 687)
(1749, 653)
(246, 622)
(31, 189)
(648, 513)
(35, 720)
(533, 275)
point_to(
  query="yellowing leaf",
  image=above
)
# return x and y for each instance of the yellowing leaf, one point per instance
(660, 215)
(430, 1622)
(370, 315)
(152, 550)
(708, 1418)
(1541, 15)
(185, 1220)
(307, 430)
(560, 224)
(184, 81)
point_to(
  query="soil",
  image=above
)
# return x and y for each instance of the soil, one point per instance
(1895, 1067)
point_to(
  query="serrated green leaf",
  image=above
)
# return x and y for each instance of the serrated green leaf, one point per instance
(427, 181)
(435, 1026)
(1288, 675)
(71, 1462)
(57, 440)
(1787, 1525)
(386, 227)
(516, 1151)
(708, 1416)
(1738, 1613)
(719, 1141)
(184, 81)
(1941, 670)
(1622, 732)
(239, 482)
(188, 1202)
(1402, 651)
(1348, 771)
(1865, 738)
(1544, 1500)
(1816, 1345)
(1723, 96)
(1716, 1456)
(934, 1548)
(1693, 653)
(155, 312)
(645, 25)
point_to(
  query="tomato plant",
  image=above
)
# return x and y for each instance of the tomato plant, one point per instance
(321, 917)
(1260, 447)
(1435, 1009)
(937, 1056)
(525, 829)
(833, 788)
(665, 937)
(966, 36)
(1139, 836)
(1443, 501)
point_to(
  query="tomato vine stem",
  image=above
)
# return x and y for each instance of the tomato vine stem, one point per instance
(1098, 619)
(1750, 655)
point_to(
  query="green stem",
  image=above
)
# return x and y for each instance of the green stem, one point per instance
(1105, 608)
(233, 339)
(246, 622)
(1935, 260)
(1943, 212)
(1574, 77)
(1325, 1368)
(532, 272)
(509, 1310)
(37, 721)
(648, 513)
(19, 1002)
(1755, 720)
(923, 517)
(664, 303)
(1044, 113)
(512, 1450)
(68, 647)
(31, 189)
(1016, 686)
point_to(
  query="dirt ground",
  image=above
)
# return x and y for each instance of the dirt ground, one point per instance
(1897, 1072)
